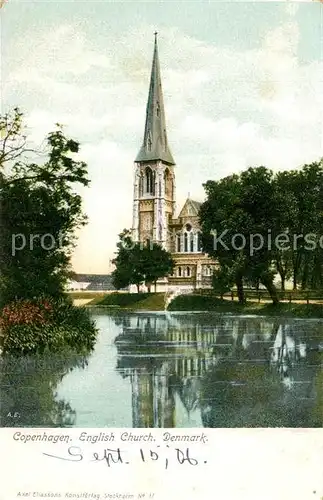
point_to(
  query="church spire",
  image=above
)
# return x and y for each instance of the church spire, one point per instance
(155, 144)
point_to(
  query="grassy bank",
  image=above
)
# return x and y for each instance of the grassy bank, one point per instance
(155, 302)
(209, 303)
(86, 295)
(132, 301)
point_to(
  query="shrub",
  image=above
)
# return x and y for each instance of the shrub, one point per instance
(26, 312)
(41, 325)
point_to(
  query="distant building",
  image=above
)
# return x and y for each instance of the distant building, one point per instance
(77, 286)
(91, 282)
(154, 217)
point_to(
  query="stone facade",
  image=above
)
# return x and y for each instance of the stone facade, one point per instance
(154, 216)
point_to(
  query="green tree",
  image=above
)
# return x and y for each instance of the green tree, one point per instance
(137, 263)
(40, 211)
(235, 219)
(302, 191)
(222, 281)
(157, 263)
(129, 263)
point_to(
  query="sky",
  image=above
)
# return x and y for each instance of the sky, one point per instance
(242, 86)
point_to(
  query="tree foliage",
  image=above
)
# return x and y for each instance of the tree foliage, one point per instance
(222, 281)
(257, 209)
(238, 206)
(303, 218)
(40, 211)
(139, 264)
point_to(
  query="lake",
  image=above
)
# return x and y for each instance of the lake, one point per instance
(174, 370)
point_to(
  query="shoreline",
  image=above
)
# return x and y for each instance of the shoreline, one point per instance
(114, 303)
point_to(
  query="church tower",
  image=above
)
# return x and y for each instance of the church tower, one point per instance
(154, 184)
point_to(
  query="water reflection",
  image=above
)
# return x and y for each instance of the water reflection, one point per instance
(226, 372)
(174, 370)
(29, 390)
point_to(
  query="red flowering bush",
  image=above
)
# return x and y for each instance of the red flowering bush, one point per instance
(26, 312)
(36, 326)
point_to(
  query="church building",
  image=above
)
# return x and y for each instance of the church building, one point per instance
(154, 207)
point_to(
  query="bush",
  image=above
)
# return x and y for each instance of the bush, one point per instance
(42, 325)
(26, 312)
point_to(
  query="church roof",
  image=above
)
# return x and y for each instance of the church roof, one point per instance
(196, 205)
(190, 208)
(155, 145)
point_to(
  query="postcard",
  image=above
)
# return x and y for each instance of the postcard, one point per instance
(161, 250)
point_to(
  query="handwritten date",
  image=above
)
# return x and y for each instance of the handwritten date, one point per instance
(115, 456)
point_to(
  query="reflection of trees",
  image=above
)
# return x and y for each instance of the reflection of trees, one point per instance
(28, 387)
(235, 396)
(266, 384)
(236, 371)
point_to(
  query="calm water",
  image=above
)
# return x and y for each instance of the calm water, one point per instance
(175, 370)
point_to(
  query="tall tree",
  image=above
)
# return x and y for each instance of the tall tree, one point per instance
(235, 219)
(303, 215)
(158, 264)
(129, 264)
(40, 212)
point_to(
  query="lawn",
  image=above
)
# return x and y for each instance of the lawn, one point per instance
(156, 302)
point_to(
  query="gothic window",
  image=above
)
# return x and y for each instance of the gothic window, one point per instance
(157, 109)
(199, 242)
(178, 243)
(188, 271)
(191, 242)
(188, 227)
(179, 271)
(149, 181)
(185, 242)
(141, 185)
(168, 183)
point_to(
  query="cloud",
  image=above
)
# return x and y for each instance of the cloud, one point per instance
(61, 52)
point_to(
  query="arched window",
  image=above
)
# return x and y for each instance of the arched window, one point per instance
(141, 184)
(191, 242)
(179, 271)
(149, 181)
(207, 271)
(199, 241)
(178, 243)
(188, 271)
(185, 242)
(168, 183)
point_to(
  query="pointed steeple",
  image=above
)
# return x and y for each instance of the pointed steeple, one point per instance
(155, 144)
